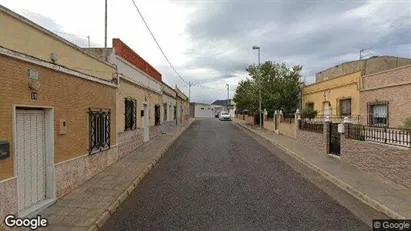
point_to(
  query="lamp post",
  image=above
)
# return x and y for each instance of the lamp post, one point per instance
(259, 84)
(228, 96)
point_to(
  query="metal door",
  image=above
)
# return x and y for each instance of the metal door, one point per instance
(31, 157)
(334, 139)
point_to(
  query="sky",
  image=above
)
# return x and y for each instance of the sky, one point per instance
(210, 42)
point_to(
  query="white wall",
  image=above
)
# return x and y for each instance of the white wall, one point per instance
(128, 70)
(207, 110)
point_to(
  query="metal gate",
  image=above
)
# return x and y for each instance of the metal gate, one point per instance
(334, 139)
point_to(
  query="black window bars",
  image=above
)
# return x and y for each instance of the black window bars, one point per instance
(99, 130)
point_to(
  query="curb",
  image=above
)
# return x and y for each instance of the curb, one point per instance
(136, 182)
(344, 186)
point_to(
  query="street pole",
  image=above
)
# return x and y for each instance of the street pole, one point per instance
(189, 91)
(105, 26)
(228, 96)
(259, 86)
(259, 83)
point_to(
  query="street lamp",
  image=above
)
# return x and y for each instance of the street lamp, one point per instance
(228, 95)
(259, 83)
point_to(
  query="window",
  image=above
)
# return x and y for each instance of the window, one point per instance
(345, 107)
(175, 112)
(157, 115)
(208, 108)
(165, 112)
(130, 114)
(99, 130)
(310, 105)
(202, 108)
(378, 114)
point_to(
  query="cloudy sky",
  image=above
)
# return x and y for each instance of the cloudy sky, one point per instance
(209, 42)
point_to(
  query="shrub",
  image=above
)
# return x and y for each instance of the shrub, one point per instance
(407, 123)
(309, 113)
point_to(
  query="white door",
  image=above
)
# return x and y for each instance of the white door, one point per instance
(145, 123)
(31, 157)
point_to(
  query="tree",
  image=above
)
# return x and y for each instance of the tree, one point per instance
(309, 113)
(279, 88)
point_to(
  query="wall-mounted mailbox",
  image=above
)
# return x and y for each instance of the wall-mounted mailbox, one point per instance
(142, 113)
(4, 149)
(63, 127)
(340, 128)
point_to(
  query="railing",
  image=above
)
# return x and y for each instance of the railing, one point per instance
(289, 120)
(312, 127)
(392, 136)
(355, 119)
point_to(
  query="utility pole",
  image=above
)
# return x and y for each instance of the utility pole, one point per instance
(88, 38)
(105, 26)
(259, 83)
(228, 96)
(189, 91)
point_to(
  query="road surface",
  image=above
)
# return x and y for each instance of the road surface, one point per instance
(220, 177)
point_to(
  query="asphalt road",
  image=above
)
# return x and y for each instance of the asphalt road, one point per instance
(219, 177)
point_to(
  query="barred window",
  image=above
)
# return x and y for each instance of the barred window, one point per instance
(130, 114)
(99, 130)
(157, 115)
(345, 107)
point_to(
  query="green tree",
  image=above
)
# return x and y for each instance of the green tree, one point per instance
(279, 88)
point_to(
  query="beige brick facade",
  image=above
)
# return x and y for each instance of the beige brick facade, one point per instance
(387, 161)
(315, 140)
(393, 86)
(70, 97)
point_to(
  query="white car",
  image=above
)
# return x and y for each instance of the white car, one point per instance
(224, 116)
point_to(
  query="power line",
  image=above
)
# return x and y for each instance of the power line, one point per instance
(158, 45)
(196, 85)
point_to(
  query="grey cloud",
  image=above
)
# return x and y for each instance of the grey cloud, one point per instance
(315, 34)
(54, 27)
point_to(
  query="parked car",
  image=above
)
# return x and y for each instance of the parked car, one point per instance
(224, 115)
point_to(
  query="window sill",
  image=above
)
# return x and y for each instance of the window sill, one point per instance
(99, 150)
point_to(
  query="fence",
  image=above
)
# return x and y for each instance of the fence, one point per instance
(355, 119)
(393, 136)
(313, 127)
(287, 119)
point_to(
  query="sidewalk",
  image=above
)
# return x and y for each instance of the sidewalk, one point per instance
(384, 196)
(89, 206)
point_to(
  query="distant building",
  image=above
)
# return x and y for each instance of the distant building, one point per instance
(202, 110)
(224, 105)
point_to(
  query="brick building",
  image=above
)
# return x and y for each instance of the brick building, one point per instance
(57, 115)
(139, 96)
(385, 97)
